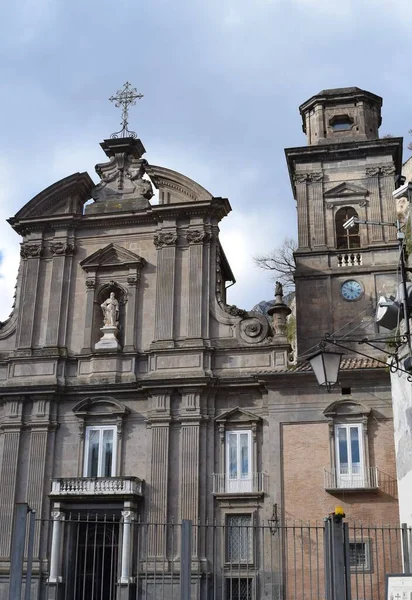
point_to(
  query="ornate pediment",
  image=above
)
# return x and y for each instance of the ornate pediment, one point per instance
(237, 415)
(112, 256)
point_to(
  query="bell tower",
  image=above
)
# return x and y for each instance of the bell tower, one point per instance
(345, 171)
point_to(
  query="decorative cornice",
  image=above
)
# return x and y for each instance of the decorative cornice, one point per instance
(61, 249)
(164, 238)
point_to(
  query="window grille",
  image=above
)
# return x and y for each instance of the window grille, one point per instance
(239, 588)
(239, 539)
(359, 556)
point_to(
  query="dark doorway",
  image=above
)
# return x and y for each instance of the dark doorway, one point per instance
(95, 560)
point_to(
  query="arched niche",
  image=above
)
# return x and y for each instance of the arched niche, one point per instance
(102, 293)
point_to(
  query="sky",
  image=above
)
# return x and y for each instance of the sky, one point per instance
(222, 81)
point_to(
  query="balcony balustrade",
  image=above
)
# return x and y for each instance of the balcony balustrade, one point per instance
(367, 479)
(253, 483)
(96, 486)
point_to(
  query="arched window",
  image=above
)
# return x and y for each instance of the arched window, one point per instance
(346, 238)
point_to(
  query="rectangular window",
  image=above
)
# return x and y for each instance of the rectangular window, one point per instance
(100, 451)
(359, 556)
(239, 535)
(239, 461)
(239, 588)
(350, 467)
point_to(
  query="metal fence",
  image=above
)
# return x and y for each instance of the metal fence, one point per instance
(105, 558)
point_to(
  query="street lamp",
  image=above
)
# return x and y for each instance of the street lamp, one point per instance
(326, 367)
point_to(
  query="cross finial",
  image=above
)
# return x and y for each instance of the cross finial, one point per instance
(124, 98)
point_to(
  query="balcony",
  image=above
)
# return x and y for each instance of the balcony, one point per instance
(367, 480)
(254, 484)
(79, 487)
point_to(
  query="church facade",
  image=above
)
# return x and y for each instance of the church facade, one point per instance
(133, 394)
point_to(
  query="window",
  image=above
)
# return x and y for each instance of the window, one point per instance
(100, 451)
(346, 238)
(239, 535)
(359, 556)
(350, 468)
(239, 461)
(341, 123)
(239, 588)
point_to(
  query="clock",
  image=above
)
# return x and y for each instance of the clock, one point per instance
(351, 290)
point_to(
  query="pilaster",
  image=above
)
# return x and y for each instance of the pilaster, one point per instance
(190, 463)
(31, 253)
(165, 242)
(316, 196)
(302, 206)
(196, 239)
(389, 207)
(40, 426)
(88, 321)
(133, 280)
(11, 426)
(159, 422)
(62, 252)
(375, 213)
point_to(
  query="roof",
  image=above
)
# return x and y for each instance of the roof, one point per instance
(338, 94)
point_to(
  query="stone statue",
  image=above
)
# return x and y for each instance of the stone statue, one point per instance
(110, 308)
(278, 289)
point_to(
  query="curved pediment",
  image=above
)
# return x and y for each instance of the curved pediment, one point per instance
(174, 187)
(66, 196)
(100, 406)
(346, 408)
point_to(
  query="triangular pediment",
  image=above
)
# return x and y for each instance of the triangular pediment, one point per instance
(237, 415)
(346, 190)
(112, 256)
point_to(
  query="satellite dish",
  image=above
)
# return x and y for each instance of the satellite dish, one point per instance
(388, 313)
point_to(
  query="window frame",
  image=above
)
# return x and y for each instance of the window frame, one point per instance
(351, 477)
(236, 485)
(101, 429)
(346, 235)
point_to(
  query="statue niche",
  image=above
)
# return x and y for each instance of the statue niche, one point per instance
(109, 318)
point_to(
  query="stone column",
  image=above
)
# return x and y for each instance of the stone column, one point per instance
(128, 517)
(56, 547)
(159, 422)
(11, 426)
(374, 213)
(88, 321)
(31, 253)
(40, 426)
(189, 467)
(302, 206)
(165, 243)
(62, 253)
(196, 238)
(318, 212)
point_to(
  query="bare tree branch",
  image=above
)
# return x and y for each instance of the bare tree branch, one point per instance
(281, 261)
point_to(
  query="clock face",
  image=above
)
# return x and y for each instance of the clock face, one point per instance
(351, 290)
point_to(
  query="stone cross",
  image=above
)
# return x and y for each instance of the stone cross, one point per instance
(124, 98)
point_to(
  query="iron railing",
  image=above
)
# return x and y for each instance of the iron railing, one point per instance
(109, 557)
(367, 478)
(252, 483)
